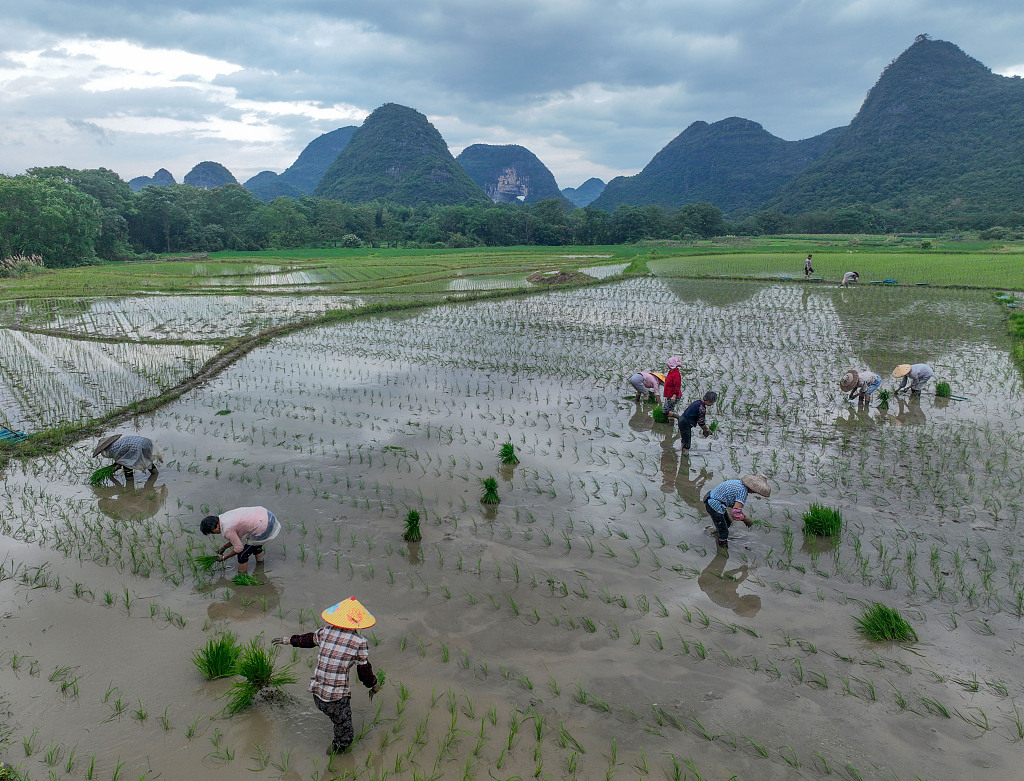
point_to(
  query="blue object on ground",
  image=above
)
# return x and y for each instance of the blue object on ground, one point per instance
(890, 281)
(12, 436)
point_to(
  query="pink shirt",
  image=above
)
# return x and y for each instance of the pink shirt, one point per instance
(243, 522)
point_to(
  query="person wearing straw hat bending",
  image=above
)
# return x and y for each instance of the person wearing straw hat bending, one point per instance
(245, 529)
(725, 501)
(130, 453)
(916, 376)
(646, 384)
(860, 385)
(673, 386)
(340, 646)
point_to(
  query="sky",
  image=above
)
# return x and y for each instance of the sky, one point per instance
(592, 87)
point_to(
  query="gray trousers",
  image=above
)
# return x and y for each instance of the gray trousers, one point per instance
(340, 714)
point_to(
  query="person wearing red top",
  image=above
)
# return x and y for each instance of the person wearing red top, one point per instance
(673, 386)
(340, 646)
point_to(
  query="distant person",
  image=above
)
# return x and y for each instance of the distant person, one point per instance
(725, 501)
(693, 416)
(915, 376)
(245, 529)
(130, 453)
(673, 386)
(849, 278)
(860, 385)
(647, 385)
(340, 646)
(808, 269)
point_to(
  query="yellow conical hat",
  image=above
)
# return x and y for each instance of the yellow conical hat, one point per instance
(901, 371)
(348, 614)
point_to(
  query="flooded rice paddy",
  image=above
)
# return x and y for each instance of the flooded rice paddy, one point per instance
(584, 627)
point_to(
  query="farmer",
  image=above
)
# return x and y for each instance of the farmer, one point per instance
(808, 269)
(245, 529)
(848, 278)
(725, 501)
(646, 384)
(130, 453)
(673, 386)
(860, 385)
(915, 376)
(692, 416)
(340, 647)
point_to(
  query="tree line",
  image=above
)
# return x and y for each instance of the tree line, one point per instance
(71, 217)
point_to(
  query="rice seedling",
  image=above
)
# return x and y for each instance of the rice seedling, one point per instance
(879, 622)
(507, 454)
(256, 665)
(822, 521)
(245, 579)
(943, 390)
(205, 563)
(412, 527)
(101, 475)
(219, 657)
(490, 496)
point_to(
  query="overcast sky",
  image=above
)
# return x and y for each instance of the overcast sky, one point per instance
(592, 87)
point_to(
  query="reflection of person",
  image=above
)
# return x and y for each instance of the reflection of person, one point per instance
(725, 501)
(808, 270)
(340, 646)
(673, 386)
(722, 587)
(693, 416)
(849, 278)
(860, 385)
(915, 376)
(245, 529)
(689, 490)
(669, 463)
(130, 453)
(641, 419)
(910, 413)
(125, 502)
(646, 384)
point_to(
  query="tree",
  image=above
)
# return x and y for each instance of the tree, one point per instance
(49, 218)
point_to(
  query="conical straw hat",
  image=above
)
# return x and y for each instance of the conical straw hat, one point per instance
(901, 371)
(348, 614)
(849, 381)
(758, 484)
(661, 377)
(103, 444)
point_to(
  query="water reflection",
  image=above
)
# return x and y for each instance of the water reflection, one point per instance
(244, 603)
(722, 586)
(128, 502)
(641, 420)
(910, 412)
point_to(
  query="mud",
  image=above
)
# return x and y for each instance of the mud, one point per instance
(589, 607)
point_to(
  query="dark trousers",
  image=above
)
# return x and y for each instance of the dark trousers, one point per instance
(686, 432)
(249, 550)
(721, 520)
(340, 714)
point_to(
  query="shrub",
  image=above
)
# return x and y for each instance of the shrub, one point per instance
(256, 666)
(412, 527)
(942, 390)
(490, 491)
(821, 520)
(508, 454)
(218, 657)
(350, 241)
(879, 622)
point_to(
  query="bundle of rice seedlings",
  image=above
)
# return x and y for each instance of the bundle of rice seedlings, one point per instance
(102, 474)
(245, 579)
(713, 426)
(217, 658)
(943, 390)
(260, 676)
(821, 520)
(883, 399)
(205, 563)
(508, 454)
(412, 527)
(658, 413)
(490, 491)
(879, 622)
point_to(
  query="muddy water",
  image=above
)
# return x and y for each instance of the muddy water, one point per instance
(588, 607)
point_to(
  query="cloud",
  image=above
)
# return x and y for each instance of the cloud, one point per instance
(593, 87)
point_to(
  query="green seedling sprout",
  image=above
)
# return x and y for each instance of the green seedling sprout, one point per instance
(101, 475)
(217, 659)
(490, 491)
(507, 454)
(943, 390)
(412, 527)
(822, 521)
(880, 622)
(245, 579)
(256, 665)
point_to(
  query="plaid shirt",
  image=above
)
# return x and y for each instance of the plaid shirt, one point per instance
(726, 494)
(339, 650)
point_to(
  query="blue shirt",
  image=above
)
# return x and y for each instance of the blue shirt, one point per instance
(694, 413)
(725, 495)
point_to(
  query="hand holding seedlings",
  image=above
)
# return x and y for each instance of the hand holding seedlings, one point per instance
(340, 646)
(724, 503)
(245, 529)
(694, 415)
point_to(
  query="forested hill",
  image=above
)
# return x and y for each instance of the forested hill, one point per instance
(509, 173)
(302, 176)
(734, 164)
(586, 193)
(398, 156)
(938, 134)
